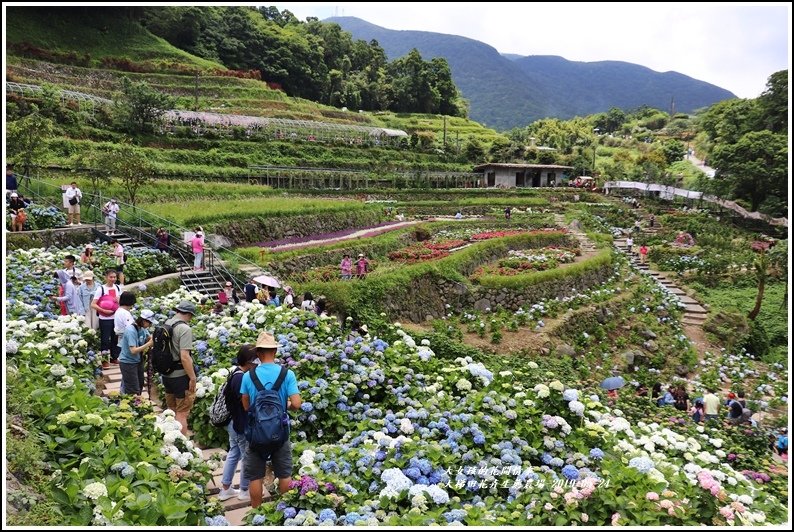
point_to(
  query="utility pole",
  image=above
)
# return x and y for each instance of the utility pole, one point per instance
(445, 133)
(672, 106)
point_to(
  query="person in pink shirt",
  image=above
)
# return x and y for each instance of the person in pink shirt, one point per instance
(197, 244)
(643, 253)
(361, 266)
(347, 267)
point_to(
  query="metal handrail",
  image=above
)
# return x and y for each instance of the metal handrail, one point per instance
(136, 220)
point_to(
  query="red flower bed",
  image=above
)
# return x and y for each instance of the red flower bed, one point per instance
(487, 235)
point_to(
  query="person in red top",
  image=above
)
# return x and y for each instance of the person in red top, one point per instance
(643, 253)
(362, 265)
(197, 243)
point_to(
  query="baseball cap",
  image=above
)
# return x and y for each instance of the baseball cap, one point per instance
(14, 195)
(148, 315)
(187, 307)
(228, 283)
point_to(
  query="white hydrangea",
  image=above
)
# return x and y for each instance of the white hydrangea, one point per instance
(95, 490)
(406, 427)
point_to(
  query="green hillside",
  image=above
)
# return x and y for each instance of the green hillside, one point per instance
(90, 35)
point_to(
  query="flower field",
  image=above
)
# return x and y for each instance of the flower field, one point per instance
(394, 430)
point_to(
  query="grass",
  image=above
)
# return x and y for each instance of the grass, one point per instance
(169, 191)
(517, 282)
(105, 33)
(774, 310)
(205, 211)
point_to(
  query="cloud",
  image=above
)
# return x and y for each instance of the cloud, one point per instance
(733, 46)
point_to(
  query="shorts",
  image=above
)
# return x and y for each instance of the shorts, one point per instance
(120, 268)
(73, 209)
(282, 463)
(177, 396)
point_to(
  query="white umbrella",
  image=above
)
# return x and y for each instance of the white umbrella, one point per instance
(267, 281)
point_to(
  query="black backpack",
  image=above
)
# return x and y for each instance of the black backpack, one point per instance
(220, 411)
(268, 422)
(164, 360)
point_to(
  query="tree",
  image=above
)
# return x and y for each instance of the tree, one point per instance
(139, 107)
(128, 164)
(757, 165)
(774, 103)
(475, 153)
(27, 139)
(673, 150)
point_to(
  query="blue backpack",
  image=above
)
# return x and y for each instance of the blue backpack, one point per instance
(268, 422)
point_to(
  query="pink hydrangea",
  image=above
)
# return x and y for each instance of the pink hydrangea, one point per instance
(615, 518)
(665, 504)
(652, 496)
(727, 513)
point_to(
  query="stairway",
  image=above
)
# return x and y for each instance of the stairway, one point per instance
(201, 281)
(124, 240)
(235, 508)
(694, 313)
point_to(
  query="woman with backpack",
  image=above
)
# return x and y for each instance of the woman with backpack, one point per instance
(238, 445)
(308, 302)
(105, 303)
(134, 342)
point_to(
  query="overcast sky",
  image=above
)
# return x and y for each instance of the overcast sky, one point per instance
(733, 46)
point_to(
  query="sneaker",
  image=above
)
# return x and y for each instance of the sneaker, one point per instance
(224, 494)
(244, 495)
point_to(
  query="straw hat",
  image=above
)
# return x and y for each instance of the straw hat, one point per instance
(266, 341)
(89, 275)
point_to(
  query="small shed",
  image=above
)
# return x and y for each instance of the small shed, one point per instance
(509, 175)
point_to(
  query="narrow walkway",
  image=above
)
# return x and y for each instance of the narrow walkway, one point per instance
(358, 234)
(235, 508)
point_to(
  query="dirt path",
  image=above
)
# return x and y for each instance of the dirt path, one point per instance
(358, 234)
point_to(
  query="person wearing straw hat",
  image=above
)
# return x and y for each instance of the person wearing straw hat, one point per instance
(268, 373)
(134, 342)
(180, 384)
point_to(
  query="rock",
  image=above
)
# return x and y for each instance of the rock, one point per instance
(545, 351)
(460, 288)
(648, 334)
(651, 346)
(429, 317)
(575, 225)
(682, 371)
(482, 304)
(629, 357)
(565, 349)
(219, 241)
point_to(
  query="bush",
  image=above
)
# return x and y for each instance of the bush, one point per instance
(25, 457)
(757, 341)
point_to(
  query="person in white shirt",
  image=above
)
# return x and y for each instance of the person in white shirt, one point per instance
(73, 197)
(122, 319)
(629, 244)
(111, 211)
(118, 253)
(289, 297)
(308, 302)
(106, 303)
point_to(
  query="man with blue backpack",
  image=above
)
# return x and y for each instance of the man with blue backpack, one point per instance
(267, 392)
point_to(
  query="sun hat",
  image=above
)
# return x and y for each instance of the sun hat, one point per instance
(266, 341)
(148, 315)
(87, 275)
(186, 307)
(360, 254)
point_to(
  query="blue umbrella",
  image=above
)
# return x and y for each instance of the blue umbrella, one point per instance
(613, 383)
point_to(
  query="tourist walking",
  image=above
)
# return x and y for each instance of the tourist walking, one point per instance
(135, 341)
(87, 256)
(308, 302)
(651, 220)
(69, 267)
(111, 212)
(629, 244)
(11, 180)
(362, 266)
(120, 258)
(697, 410)
(70, 298)
(86, 293)
(508, 213)
(180, 384)
(643, 253)
(163, 242)
(289, 297)
(238, 445)
(250, 290)
(73, 197)
(256, 380)
(105, 303)
(346, 267)
(197, 244)
(122, 318)
(711, 405)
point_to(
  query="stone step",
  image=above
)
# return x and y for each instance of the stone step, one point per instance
(206, 453)
(235, 517)
(236, 504)
(112, 377)
(688, 300)
(113, 386)
(676, 291)
(695, 309)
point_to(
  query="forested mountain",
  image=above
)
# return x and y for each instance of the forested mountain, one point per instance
(507, 90)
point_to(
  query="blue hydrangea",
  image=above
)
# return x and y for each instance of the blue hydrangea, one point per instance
(641, 464)
(327, 515)
(570, 472)
(570, 395)
(352, 517)
(412, 472)
(596, 453)
(307, 407)
(218, 520)
(290, 512)
(258, 520)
